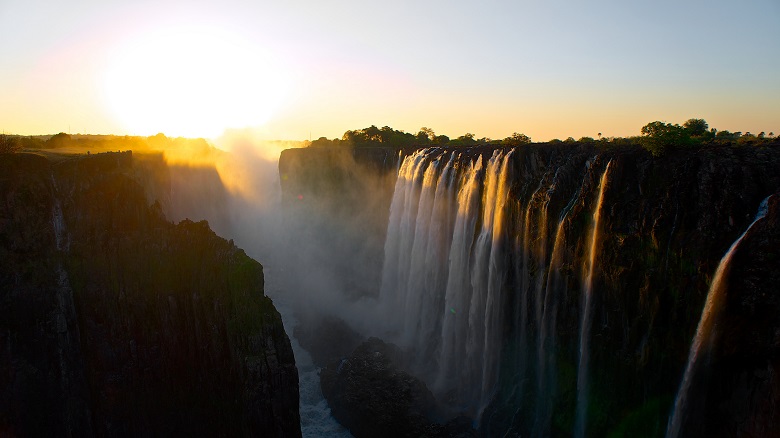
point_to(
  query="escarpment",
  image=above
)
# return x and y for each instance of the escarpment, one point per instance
(554, 290)
(116, 322)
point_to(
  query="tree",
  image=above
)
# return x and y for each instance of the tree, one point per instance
(321, 142)
(9, 144)
(696, 127)
(426, 134)
(467, 138)
(657, 137)
(517, 139)
(441, 139)
(59, 140)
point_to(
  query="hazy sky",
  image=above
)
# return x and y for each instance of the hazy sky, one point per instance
(291, 69)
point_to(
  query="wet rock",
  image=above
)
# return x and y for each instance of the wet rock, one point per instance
(326, 338)
(373, 397)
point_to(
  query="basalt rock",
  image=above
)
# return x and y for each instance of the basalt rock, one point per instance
(371, 395)
(326, 338)
(116, 322)
(665, 223)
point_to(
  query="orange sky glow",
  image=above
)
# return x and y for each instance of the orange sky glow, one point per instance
(304, 69)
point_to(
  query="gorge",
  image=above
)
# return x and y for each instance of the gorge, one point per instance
(555, 291)
(537, 290)
(116, 322)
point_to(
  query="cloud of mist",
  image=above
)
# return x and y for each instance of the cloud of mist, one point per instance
(321, 245)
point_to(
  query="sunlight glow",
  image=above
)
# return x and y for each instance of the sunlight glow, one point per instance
(193, 81)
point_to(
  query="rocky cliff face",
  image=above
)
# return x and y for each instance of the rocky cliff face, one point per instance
(664, 224)
(116, 322)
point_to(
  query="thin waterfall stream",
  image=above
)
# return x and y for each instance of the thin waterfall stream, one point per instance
(587, 293)
(704, 331)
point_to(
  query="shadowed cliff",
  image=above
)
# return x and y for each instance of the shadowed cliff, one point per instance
(116, 322)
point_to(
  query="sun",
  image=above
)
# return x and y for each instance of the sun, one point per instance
(192, 81)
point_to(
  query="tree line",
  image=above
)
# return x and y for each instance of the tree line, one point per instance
(657, 137)
(387, 136)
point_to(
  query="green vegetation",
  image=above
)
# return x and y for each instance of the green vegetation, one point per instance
(387, 136)
(657, 137)
(660, 136)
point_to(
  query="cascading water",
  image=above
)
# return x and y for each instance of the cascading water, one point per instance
(587, 292)
(492, 284)
(704, 331)
(453, 326)
(547, 312)
(446, 273)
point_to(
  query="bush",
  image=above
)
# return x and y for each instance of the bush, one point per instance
(9, 144)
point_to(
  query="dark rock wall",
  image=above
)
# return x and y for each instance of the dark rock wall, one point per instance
(666, 222)
(119, 323)
(42, 380)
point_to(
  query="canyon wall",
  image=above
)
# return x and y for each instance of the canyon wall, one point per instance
(554, 290)
(116, 322)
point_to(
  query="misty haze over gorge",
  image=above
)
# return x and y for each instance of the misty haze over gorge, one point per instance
(399, 219)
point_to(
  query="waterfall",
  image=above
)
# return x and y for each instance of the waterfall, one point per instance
(704, 331)
(587, 292)
(398, 245)
(546, 355)
(445, 269)
(551, 288)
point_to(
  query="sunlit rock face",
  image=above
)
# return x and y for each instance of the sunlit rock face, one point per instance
(503, 271)
(116, 322)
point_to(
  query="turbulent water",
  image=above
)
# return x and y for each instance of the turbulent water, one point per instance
(316, 419)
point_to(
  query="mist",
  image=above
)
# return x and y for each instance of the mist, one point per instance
(321, 245)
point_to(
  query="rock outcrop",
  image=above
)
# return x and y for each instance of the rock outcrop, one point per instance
(371, 395)
(116, 322)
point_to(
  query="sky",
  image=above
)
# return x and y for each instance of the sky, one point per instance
(301, 69)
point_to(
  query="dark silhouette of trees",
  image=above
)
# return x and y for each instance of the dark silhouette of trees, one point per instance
(441, 140)
(426, 135)
(59, 140)
(9, 144)
(696, 127)
(466, 139)
(516, 139)
(373, 136)
(657, 137)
